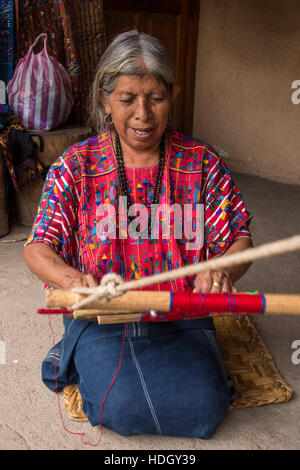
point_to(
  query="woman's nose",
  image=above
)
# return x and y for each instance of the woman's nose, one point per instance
(142, 110)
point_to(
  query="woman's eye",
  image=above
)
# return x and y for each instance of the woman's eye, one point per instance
(155, 99)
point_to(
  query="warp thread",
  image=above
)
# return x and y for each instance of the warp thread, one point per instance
(81, 434)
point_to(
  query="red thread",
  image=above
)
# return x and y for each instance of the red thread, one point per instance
(204, 304)
(54, 311)
(81, 434)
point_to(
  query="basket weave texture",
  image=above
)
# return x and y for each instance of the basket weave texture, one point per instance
(73, 403)
(248, 362)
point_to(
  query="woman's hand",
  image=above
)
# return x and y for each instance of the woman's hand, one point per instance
(77, 279)
(222, 280)
(50, 268)
(214, 281)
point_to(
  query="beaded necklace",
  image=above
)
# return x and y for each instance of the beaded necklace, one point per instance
(157, 186)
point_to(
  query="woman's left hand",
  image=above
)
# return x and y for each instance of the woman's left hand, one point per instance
(214, 281)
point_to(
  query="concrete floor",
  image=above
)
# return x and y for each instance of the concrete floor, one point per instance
(30, 416)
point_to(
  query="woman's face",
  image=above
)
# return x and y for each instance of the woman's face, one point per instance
(140, 108)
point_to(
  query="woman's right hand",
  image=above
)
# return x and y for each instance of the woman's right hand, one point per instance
(50, 268)
(78, 279)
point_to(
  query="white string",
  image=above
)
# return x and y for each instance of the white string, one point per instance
(105, 292)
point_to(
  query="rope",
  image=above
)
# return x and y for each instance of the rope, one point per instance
(113, 285)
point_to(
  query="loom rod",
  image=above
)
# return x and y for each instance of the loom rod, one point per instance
(176, 304)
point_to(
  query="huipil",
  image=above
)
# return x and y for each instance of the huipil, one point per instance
(84, 181)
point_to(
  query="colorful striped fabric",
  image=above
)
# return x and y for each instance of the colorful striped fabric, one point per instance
(85, 177)
(40, 91)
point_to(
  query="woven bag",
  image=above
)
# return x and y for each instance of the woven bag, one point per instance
(40, 91)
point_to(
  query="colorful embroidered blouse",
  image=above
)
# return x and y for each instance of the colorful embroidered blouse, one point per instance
(85, 179)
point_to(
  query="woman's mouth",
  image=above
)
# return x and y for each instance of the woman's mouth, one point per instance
(142, 133)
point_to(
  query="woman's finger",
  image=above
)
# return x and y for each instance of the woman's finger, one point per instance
(214, 282)
(217, 286)
(218, 279)
(203, 282)
(208, 281)
(197, 286)
(90, 280)
(226, 286)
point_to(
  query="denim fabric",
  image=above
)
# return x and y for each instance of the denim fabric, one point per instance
(172, 379)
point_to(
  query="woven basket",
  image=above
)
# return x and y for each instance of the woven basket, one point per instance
(248, 362)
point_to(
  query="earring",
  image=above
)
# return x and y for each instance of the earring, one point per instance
(108, 123)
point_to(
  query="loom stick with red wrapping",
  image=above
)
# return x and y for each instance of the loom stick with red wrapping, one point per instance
(169, 306)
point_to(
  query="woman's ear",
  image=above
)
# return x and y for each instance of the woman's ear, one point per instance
(104, 101)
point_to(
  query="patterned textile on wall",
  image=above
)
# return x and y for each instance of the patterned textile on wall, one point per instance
(75, 38)
(6, 39)
(87, 23)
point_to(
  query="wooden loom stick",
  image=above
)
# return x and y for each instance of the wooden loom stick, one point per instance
(132, 303)
(274, 306)
(277, 304)
(91, 314)
(111, 319)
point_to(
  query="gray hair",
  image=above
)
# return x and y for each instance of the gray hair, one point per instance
(130, 53)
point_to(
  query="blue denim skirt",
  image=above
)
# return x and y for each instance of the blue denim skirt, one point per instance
(172, 380)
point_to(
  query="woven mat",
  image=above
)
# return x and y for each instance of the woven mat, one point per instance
(248, 362)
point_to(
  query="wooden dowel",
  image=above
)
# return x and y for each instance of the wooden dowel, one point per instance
(134, 301)
(129, 318)
(83, 314)
(112, 319)
(279, 304)
(61, 298)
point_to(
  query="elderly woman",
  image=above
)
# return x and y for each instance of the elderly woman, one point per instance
(172, 379)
